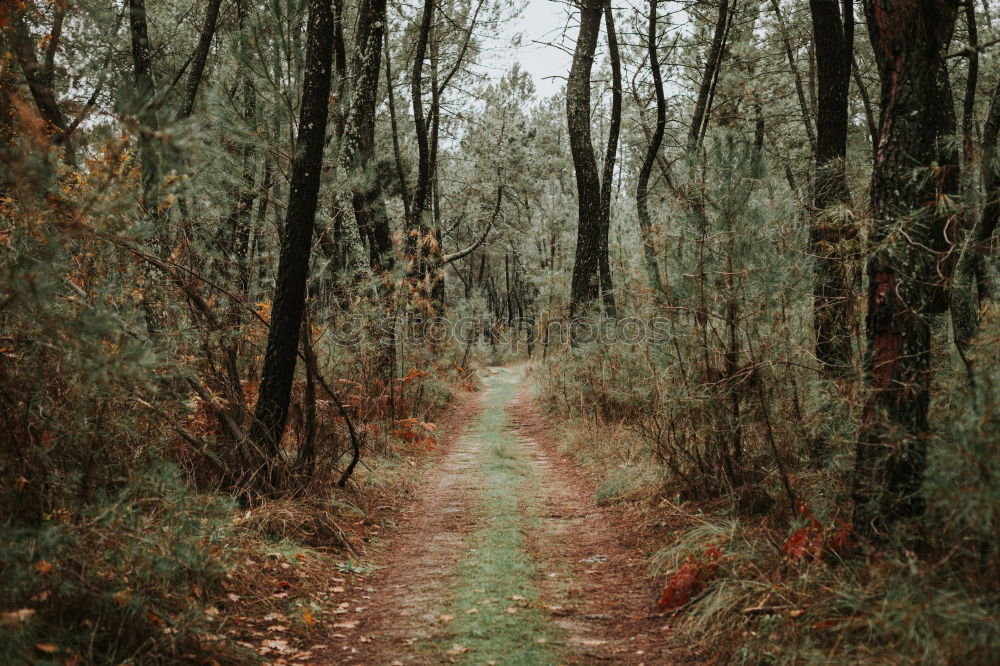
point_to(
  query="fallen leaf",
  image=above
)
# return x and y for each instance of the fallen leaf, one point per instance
(517, 597)
(271, 617)
(47, 648)
(346, 625)
(592, 642)
(277, 627)
(365, 639)
(472, 611)
(511, 610)
(796, 613)
(276, 644)
(338, 589)
(458, 648)
(308, 618)
(445, 618)
(42, 567)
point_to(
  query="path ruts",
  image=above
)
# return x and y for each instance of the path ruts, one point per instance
(505, 559)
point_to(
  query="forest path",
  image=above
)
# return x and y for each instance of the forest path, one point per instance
(505, 559)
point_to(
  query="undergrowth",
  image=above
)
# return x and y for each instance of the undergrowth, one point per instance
(767, 582)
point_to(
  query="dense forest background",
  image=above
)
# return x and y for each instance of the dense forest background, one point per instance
(250, 249)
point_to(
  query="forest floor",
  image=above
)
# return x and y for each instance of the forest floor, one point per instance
(504, 559)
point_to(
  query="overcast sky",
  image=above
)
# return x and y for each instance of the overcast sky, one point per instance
(541, 21)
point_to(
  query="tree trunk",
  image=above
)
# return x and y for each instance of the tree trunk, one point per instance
(404, 188)
(642, 186)
(244, 203)
(40, 75)
(800, 92)
(271, 411)
(703, 103)
(832, 231)
(417, 228)
(367, 196)
(964, 313)
(9, 155)
(366, 188)
(607, 287)
(911, 260)
(145, 90)
(991, 193)
(584, 289)
(435, 269)
(201, 54)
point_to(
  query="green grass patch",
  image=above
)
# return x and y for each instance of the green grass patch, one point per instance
(493, 601)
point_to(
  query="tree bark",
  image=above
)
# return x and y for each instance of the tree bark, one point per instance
(271, 410)
(991, 193)
(244, 205)
(404, 189)
(40, 76)
(200, 58)
(703, 103)
(866, 103)
(422, 188)
(964, 313)
(832, 231)
(614, 128)
(911, 254)
(367, 196)
(584, 289)
(652, 150)
(799, 89)
(145, 90)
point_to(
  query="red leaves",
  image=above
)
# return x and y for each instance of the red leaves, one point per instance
(842, 541)
(416, 432)
(690, 579)
(799, 543)
(411, 375)
(813, 539)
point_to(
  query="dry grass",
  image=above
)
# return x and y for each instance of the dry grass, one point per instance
(309, 522)
(885, 606)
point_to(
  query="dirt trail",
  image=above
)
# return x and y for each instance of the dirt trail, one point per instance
(505, 559)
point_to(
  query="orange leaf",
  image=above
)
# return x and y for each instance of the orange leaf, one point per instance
(798, 544)
(690, 579)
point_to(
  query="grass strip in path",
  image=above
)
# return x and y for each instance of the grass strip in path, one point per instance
(493, 602)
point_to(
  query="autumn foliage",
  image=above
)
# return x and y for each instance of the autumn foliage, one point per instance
(691, 579)
(815, 538)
